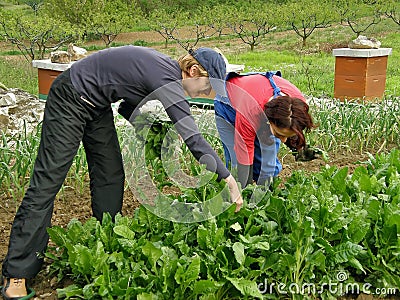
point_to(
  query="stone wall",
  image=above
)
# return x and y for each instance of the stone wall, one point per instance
(18, 109)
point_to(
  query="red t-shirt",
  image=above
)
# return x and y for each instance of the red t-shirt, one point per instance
(248, 95)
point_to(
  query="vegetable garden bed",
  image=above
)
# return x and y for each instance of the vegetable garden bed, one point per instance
(324, 235)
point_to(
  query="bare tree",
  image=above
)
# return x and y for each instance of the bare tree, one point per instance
(215, 18)
(197, 32)
(110, 20)
(166, 23)
(187, 32)
(358, 15)
(33, 36)
(305, 16)
(252, 22)
(391, 9)
(108, 32)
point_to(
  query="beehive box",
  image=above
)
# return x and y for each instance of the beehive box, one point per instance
(47, 72)
(360, 73)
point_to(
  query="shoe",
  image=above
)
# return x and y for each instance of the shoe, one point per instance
(16, 289)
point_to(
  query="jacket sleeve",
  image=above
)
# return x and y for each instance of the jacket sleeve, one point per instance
(178, 109)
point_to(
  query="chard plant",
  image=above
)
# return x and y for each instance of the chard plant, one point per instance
(317, 232)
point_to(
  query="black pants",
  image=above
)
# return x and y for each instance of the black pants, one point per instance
(67, 122)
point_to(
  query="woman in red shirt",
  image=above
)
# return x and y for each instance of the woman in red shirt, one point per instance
(260, 111)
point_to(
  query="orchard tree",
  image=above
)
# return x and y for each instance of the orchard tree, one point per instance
(187, 28)
(109, 20)
(77, 12)
(102, 18)
(252, 22)
(305, 16)
(391, 9)
(358, 15)
(166, 22)
(199, 29)
(34, 4)
(215, 17)
(34, 35)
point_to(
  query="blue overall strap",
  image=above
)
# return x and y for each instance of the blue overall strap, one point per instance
(269, 74)
(277, 90)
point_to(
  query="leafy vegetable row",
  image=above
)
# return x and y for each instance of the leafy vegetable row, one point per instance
(316, 236)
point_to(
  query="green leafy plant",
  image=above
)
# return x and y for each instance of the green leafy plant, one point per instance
(330, 227)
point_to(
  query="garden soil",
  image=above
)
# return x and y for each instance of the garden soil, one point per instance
(71, 203)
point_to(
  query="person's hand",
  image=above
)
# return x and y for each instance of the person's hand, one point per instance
(234, 191)
(308, 153)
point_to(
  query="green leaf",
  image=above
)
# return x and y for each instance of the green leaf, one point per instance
(260, 246)
(147, 296)
(100, 258)
(75, 231)
(359, 226)
(218, 237)
(236, 226)
(373, 209)
(206, 287)
(389, 236)
(276, 210)
(287, 261)
(356, 264)
(168, 267)
(193, 271)
(246, 287)
(82, 260)
(318, 259)
(107, 220)
(255, 242)
(181, 230)
(346, 251)
(124, 231)
(152, 253)
(130, 246)
(89, 293)
(209, 236)
(70, 291)
(238, 250)
(57, 235)
(365, 183)
(186, 275)
(202, 237)
(269, 227)
(339, 179)
(392, 218)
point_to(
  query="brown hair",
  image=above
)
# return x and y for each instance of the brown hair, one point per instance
(187, 61)
(291, 113)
